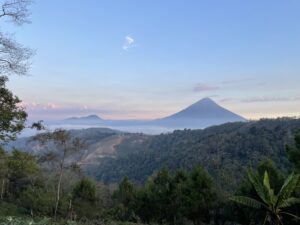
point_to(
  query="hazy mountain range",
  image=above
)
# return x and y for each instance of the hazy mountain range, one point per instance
(201, 114)
(85, 118)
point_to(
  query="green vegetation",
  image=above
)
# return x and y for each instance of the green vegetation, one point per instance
(272, 203)
(14, 60)
(46, 221)
(29, 195)
(294, 153)
(170, 185)
(12, 116)
(225, 151)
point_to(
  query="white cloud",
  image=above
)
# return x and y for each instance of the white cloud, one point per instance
(200, 87)
(129, 41)
(270, 99)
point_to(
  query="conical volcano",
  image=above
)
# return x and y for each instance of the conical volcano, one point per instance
(201, 114)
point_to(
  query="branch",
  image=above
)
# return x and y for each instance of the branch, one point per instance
(17, 10)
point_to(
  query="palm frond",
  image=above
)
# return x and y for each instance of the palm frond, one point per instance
(292, 215)
(287, 188)
(289, 202)
(250, 202)
(267, 180)
(270, 191)
(259, 187)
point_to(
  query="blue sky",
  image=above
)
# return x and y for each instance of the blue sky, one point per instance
(147, 59)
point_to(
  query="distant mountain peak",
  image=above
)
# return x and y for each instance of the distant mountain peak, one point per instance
(89, 117)
(92, 117)
(205, 101)
(204, 112)
(201, 114)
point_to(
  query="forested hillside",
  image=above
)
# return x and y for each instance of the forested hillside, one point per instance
(225, 151)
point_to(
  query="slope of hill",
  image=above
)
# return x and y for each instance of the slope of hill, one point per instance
(225, 151)
(100, 142)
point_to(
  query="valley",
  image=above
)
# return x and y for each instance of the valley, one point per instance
(224, 149)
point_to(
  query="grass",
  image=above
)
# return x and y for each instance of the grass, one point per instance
(48, 221)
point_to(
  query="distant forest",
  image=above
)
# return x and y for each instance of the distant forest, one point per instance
(225, 151)
(44, 190)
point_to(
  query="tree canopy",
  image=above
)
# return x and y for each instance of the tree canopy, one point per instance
(12, 115)
(14, 60)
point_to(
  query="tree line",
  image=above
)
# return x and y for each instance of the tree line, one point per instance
(225, 151)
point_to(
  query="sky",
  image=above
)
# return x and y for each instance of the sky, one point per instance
(138, 59)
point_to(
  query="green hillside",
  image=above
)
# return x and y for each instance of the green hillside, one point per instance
(225, 151)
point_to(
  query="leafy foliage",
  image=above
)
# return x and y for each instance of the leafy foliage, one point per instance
(180, 197)
(170, 198)
(272, 203)
(294, 152)
(225, 151)
(14, 59)
(12, 115)
(85, 190)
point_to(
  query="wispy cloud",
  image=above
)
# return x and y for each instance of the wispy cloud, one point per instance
(39, 106)
(53, 111)
(56, 111)
(226, 100)
(238, 80)
(258, 99)
(243, 81)
(201, 87)
(270, 99)
(129, 41)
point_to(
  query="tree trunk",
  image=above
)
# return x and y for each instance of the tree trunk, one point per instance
(2, 188)
(197, 221)
(58, 192)
(70, 210)
(59, 183)
(70, 204)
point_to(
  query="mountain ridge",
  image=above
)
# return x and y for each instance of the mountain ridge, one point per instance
(199, 115)
(111, 154)
(231, 147)
(88, 117)
(205, 105)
